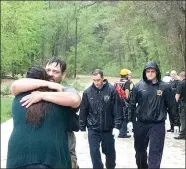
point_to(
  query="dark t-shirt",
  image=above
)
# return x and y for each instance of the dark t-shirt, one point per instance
(174, 85)
(181, 89)
(125, 84)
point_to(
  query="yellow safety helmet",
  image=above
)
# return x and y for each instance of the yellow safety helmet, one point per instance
(124, 72)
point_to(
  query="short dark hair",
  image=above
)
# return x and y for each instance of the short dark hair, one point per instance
(97, 71)
(62, 63)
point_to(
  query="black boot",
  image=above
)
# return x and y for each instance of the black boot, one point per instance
(180, 137)
(171, 129)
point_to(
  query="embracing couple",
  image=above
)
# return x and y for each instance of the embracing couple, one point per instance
(42, 110)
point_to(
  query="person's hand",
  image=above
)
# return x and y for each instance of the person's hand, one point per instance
(130, 126)
(30, 99)
(55, 86)
(176, 130)
(115, 132)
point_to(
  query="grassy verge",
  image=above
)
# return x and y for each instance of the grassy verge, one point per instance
(6, 105)
(5, 90)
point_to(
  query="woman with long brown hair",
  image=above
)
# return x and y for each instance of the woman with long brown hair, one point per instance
(39, 137)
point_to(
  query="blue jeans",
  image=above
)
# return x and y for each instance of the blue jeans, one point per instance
(36, 165)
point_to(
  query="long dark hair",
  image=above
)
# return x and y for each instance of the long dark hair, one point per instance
(35, 113)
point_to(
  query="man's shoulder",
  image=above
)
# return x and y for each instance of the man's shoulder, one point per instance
(140, 83)
(87, 90)
(111, 86)
(182, 83)
(70, 89)
(165, 85)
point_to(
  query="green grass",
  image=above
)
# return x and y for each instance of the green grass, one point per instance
(5, 90)
(6, 105)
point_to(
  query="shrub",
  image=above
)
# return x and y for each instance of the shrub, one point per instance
(77, 85)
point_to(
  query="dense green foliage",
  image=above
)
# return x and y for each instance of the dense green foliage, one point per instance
(110, 35)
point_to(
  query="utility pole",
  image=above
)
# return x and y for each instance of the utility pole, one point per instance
(75, 61)
(66, 43)
(49, 5)
(76, 36)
